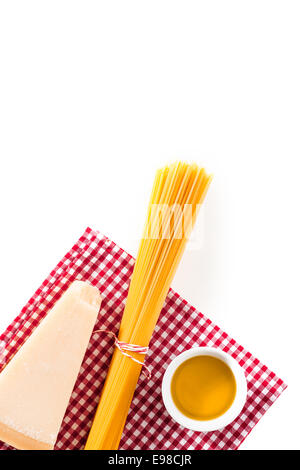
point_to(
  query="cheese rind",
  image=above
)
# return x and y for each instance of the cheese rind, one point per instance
(36, 385)
(20, 441)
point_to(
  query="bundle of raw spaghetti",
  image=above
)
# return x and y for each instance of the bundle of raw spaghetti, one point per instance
(178, 191)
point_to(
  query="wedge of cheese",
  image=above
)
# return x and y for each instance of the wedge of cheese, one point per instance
(36, 385)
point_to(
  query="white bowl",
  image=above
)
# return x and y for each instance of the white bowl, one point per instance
(212, 424)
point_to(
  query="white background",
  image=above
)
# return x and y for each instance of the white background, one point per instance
(96, 95)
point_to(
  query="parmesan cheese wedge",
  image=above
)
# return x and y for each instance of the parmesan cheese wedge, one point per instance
(36, 385)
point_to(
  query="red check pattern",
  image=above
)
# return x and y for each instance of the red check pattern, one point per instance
(96, 259)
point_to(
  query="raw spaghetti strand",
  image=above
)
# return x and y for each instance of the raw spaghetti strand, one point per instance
(178, 186)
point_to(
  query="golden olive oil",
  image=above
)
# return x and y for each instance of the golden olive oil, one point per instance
(203, 387)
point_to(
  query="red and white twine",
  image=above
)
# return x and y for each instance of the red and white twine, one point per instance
(123, 347)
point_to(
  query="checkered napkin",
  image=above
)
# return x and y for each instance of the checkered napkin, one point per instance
(96, 259)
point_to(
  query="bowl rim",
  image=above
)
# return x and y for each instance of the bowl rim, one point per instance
(212, 424)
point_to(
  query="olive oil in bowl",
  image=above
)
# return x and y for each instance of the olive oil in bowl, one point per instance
(203, 387)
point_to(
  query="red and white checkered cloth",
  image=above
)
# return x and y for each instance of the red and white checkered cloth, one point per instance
(96, 259)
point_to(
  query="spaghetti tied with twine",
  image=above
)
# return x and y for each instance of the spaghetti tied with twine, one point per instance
(123, 347)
